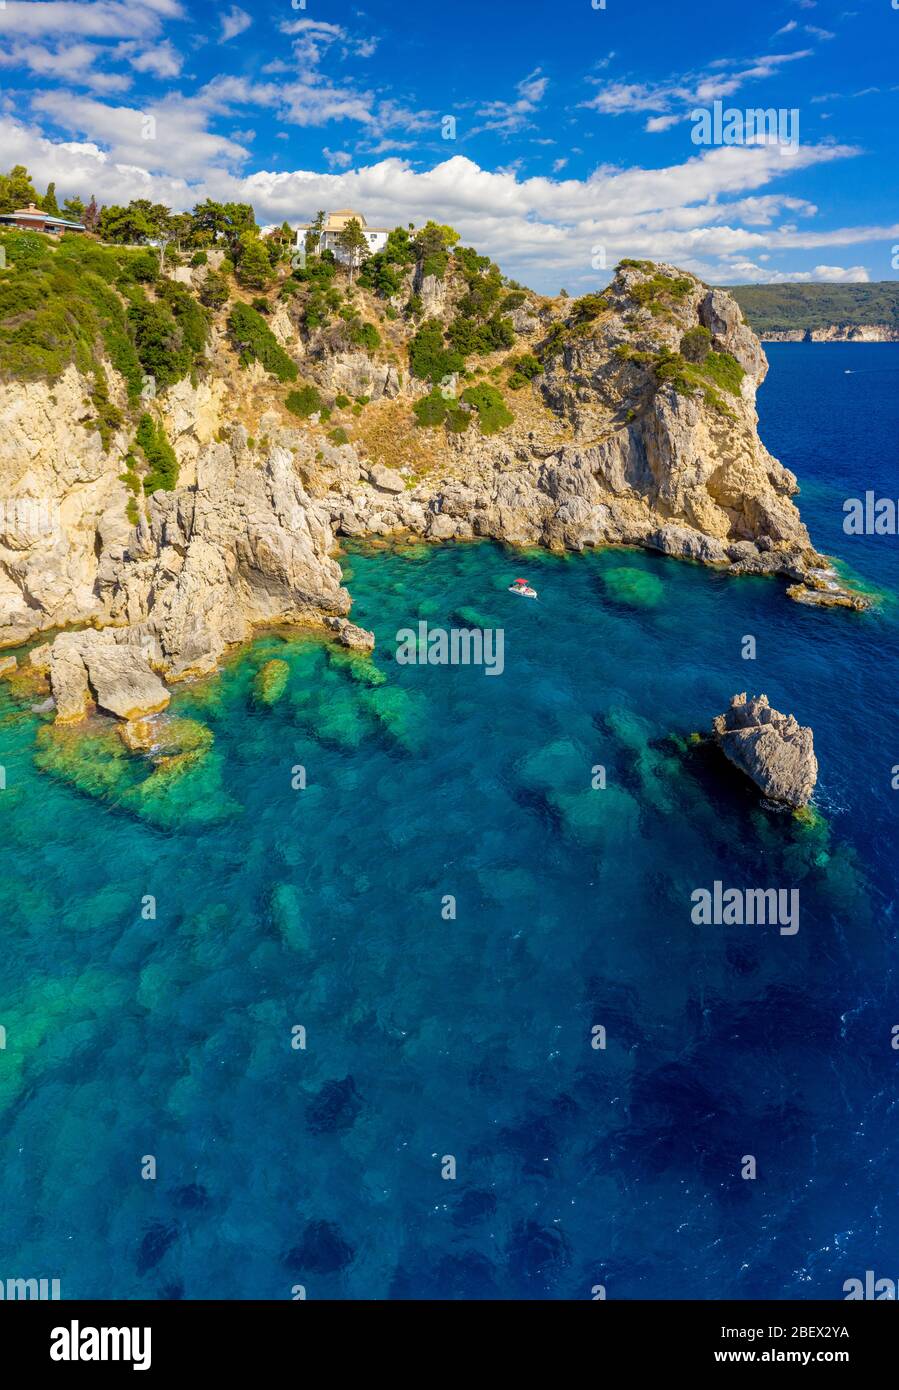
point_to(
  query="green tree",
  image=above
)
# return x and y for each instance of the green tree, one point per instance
(49, 202)
(214, 291)
(254, 269)
(353, 243)
(180, 228)
(124, 225)
(313, 237)
(432, 245)
(209, 223)
(239, 220)
(16, 189)
(73, 209)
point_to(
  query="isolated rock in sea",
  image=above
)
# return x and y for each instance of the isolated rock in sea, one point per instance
(772, 749)
(349, 635)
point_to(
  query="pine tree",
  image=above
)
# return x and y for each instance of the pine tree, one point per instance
(49, 202)
(73, 209)
(352, 242)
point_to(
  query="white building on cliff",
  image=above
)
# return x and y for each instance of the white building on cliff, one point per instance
(335, 223)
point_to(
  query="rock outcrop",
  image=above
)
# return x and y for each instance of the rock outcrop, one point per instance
(107, 668)
(348, 634)
(772, 749)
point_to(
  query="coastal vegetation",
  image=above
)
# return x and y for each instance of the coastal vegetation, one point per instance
(255, 341)
(159, 456)
(786, 308)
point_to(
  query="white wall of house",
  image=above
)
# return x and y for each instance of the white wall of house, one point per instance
(376, 242)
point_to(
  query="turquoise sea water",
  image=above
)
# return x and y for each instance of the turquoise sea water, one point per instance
(321, 907)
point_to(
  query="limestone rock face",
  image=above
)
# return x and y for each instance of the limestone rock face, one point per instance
(55, 485)
(356, 374)
(123, 682)
(720, 313)
(386, 479)
(770, 747)
(246, 545)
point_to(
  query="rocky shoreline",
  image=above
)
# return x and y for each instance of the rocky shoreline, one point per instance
(603, 452)
(834, 333)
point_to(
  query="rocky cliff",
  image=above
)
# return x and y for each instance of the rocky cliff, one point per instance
(626, 418)
(834, 333)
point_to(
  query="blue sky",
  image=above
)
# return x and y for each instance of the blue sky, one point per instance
(572, 143)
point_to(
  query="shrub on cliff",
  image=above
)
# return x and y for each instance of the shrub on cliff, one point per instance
(725, 371)
(466, 335)
(524, 368)
(255, 341)
(436, 409)
(24, 248)
(54, 313)
(304, 402)
(187, 313)
(658, 291)
(695, 344)
(365, 335)
(214, 291)
(429, 357)
(108, 418)
(492, 410)
(162, 465)
(159, 341)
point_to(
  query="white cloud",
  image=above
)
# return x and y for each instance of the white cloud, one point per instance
(78, 63)
(163, 60)
(234, 22)
(748, 272)
(509, 117)
(312, 39)
(166, 137)
(103, 19)
(672, 100)
(338, 159)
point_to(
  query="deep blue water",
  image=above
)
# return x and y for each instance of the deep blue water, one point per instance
(471, 1037)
